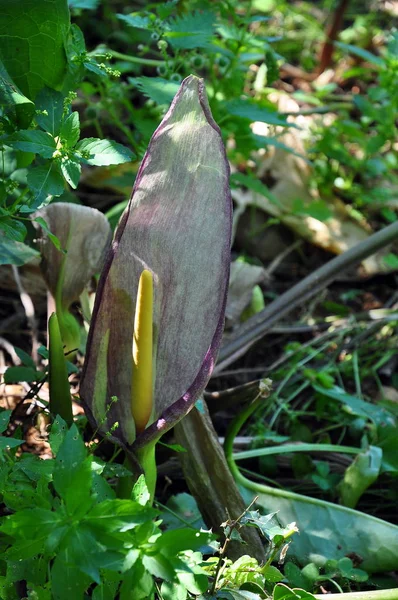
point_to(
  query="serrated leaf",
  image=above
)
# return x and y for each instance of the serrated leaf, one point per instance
(52, 103)
(71, 170)
(45, 181)
(70, 129)
(192, 30)
(33, 140)
(15, 253)
(161, 91)
(104, 152)
(72, 476)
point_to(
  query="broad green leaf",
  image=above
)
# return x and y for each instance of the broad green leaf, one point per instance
(15, 253)
(70, 129)
(12, 101)
(45, 181)
(17, 374)
(9, 442)
(32, 36)
(38, 142)
(13, 229)
(329, 531)
(71, 170)
(51, 102)
(103, 152)
(161, 91)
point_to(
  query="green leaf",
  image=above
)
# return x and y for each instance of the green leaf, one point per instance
(282, 592)
(140, 491)
(72, 471)
(45, 181)
(254, 184)
(247, 109)
(118, 515)
(104, 152)
(273, 574)
(15, 253)
(30, 140)
(4, 419)
(33, 47)
(192, 30)
(52, 103)
(58, 432)
(9, 442)
(161, 91)
(84, 4)
(71, 170)
(329, 531)
(13, 229)
(135, 20)
(67, 580)
(70, 129)
(17, 374)
(12, 101)
(25, 358)
(361, 53)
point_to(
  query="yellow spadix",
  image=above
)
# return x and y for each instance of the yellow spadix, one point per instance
(142, 382)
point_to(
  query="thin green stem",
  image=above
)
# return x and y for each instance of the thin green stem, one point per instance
(150, 62)
(289, 448)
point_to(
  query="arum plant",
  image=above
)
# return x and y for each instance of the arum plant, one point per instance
(73, 243)
(159, 310)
